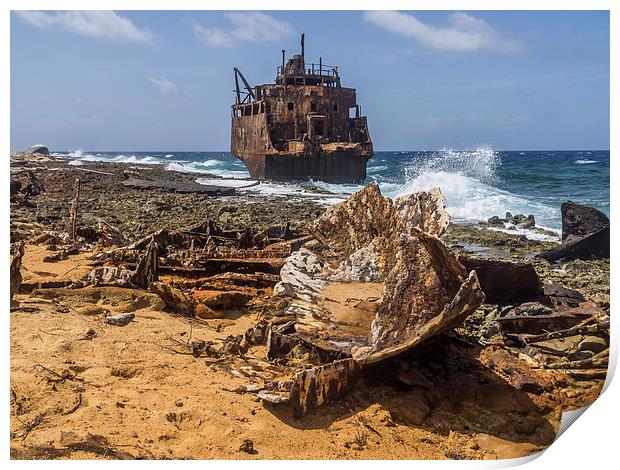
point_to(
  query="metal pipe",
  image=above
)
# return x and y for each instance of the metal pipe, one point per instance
(302, 47)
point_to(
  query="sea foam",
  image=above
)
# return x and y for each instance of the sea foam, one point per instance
(469, 181)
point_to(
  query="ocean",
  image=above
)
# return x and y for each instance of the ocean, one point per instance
(477, 183)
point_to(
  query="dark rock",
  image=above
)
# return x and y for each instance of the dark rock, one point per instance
(495, 220)
(530, 309)
(180, 186)
(412, 407)
(517, 219)
(528, 222)
(504, 280)
(578, 220)
(592, 246)
(248, 447)
(16, 187)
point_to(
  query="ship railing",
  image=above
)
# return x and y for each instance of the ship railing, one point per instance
(319, 69)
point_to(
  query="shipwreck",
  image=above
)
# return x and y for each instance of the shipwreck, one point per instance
(306, 125)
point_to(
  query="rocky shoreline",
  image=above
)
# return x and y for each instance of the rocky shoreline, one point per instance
(165, 259)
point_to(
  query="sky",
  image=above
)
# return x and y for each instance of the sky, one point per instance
(163, 80)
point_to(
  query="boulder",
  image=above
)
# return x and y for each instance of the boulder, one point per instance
(38, 149)
(502, 448)
(528, 222)
(585, 234)
(207, 313)
(593, 246)
(579, 220)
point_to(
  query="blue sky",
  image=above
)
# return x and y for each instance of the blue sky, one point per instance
(144, 80)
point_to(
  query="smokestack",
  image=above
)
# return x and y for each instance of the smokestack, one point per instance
(283, 53)
(302, 47)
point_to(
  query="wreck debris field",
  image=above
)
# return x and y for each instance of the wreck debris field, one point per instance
(153, 317)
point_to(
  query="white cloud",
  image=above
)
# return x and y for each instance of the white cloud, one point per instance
(213, 37)
(252, 26)
(98, 24)
(164, 85)
(463, 33)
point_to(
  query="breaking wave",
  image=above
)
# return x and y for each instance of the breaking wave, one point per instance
(469, 180)
(585, 162)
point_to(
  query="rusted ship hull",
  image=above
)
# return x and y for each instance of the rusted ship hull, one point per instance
(304, 126)
(339, 167)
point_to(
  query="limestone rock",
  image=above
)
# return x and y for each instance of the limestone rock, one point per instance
(38, 149)
(121, 319)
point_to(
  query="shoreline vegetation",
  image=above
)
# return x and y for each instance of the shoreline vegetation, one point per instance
(144, 325)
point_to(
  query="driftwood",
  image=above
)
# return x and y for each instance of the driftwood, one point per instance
(74, 210)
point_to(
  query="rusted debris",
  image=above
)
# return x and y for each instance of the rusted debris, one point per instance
(375, 282)
(372, 245)
(73, 214)
(278, 344)
(315, 387)
(110, 235)
(17, 253)
(176, 299)
(504, 280)
(147, 270)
